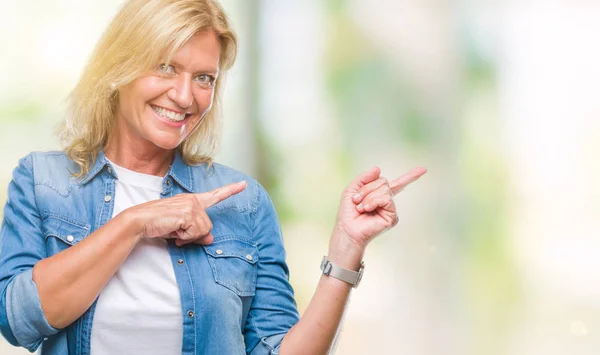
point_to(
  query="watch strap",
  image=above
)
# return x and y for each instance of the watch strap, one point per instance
(340, 273)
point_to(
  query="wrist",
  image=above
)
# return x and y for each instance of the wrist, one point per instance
(345, 252)
(132, 223)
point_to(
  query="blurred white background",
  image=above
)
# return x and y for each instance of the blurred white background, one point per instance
(497, 248)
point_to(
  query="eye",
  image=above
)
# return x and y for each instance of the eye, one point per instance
(166, 69)
(205, 80)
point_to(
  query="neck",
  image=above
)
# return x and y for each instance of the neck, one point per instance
(142, 157)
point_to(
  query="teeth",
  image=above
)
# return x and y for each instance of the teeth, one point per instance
(173, 116)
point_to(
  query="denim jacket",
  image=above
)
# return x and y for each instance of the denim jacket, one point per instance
(236, 301)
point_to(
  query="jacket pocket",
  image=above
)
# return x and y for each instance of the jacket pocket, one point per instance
(233, 263)
(61, 233)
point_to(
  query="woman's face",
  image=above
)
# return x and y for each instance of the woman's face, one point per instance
(165, 106)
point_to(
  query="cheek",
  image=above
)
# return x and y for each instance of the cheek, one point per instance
(205, 98)
(142, 90)
(125, 107)
(204, 101)
(133, 97)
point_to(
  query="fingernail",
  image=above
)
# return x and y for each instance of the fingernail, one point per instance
(356, 196)
(359, 206)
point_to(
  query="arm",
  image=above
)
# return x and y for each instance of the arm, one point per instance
(22, 322)
(366, 210)
(40, 295)
(273, 310)
(70, 281)
(319, 323)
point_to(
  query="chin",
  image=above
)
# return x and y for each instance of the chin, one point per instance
(167, 143)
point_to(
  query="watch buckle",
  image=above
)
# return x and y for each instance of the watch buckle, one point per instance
(326, 267)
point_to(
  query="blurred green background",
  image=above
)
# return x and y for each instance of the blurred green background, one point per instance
(497, 247)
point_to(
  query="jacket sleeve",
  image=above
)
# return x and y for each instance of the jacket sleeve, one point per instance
(273, 310)
(22, 245)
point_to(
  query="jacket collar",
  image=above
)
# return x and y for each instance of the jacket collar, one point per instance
(99, 164)
(182, 173)
(179, 171)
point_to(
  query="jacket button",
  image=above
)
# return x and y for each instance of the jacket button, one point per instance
(70, 238)
(249, 257)
(109, 169)
(107, 198)
(190, 314)
(180, 261)
(168, 182)
(219, 251)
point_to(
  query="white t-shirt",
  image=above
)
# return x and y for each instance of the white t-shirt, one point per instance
(139, 310)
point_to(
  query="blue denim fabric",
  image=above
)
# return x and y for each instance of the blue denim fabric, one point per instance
(236, 302)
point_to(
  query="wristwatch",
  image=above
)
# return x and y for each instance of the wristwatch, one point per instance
(348, 276)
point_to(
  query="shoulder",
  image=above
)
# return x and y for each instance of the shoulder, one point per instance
(41, 161)
(51, 168)
(55, 163)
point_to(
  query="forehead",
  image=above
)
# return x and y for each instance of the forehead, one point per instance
(199, 53)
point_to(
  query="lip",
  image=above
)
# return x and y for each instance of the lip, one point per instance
(167, 121)
(166, 108)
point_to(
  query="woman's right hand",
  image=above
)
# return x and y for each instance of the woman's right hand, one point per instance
(182, 217)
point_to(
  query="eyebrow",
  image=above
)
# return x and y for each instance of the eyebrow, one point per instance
(211, 70)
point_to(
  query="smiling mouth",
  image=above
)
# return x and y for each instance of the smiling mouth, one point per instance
(170, 115)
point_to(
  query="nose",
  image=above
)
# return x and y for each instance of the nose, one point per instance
(181, 91)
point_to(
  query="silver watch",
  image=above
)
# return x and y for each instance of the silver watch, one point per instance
(348, 276)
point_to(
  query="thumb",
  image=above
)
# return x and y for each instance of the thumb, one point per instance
(365, 178)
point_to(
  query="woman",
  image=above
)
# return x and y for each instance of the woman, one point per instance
(132, 241)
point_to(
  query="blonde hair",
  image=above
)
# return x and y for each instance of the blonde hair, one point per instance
(143, 34)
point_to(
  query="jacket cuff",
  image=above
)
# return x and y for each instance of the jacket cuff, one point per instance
(24, 311)
(269, 345)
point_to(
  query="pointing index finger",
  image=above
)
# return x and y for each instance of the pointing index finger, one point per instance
(221, 193)
(404, 180)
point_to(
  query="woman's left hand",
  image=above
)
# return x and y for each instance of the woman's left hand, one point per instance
(366, 210)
